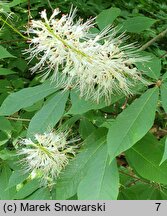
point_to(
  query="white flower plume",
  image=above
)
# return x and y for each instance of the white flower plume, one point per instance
(98, 65)
(47, 155)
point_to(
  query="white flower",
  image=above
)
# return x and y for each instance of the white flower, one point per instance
(57, 40)
(47, 155)
(98, 65)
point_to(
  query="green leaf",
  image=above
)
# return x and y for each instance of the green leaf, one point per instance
(40, 194)
(16, 2)
(7, 155)
(4, 85)
(27, 189)
(68, 123)
(5, 71)
(5, 124)
(143, 192)
(17, 177)
(4, 53)
(26, 97)
(3, 138)
(80, 106)
(164, 77)
(107, 123)
(101, 181)
(163, 89)
(138, 24)
(69, 180)
(165, 153)
(145, 157)
(6, 193)
(85, 128)
(20, 64)
(151, 67)
(36, 106)
(106, 17)
(133, 123)
(46, 118)
(125, 175)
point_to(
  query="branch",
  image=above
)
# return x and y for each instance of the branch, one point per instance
(132, 176)
(13, 41)
(159, 36)
(29, 10)
(18, 119)
(13, 28)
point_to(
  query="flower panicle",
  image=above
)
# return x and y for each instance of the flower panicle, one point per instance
(47, 154)
(97, 65)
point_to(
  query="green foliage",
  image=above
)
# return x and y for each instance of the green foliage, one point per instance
(165, 153)
(25, 98)
(151, 68)
(4, 53)
(5, 192)
(102, 179)
(133, 123)
(143, 192)
(27, 189)
(14, 180)
(120, 147)
(163, 96)
(40, 194)
(138, 24)
(46, 118)
(107, 17)
(80, 106)
(5, 71)
(69, 181)
(16, 2)
(145, 158)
